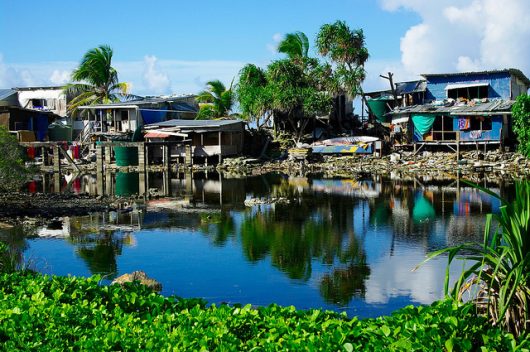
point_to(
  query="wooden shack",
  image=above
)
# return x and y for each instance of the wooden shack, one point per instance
(194, 140)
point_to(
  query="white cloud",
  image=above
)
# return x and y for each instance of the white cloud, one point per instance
(11, 76)
(276, 39)
(150, 76)
(60, 77)
(461, 35)
(184, 76)
(156, 81)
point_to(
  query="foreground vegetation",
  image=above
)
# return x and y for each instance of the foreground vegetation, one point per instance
(40, 312)
(498, 281)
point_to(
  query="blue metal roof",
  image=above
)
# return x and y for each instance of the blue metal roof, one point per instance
(6, 93)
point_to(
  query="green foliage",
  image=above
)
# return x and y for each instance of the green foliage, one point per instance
(64, 313)
(287, 90)
(498, 279)
(8, 261)
(13, 173)
(253, 94)
(346, 49)
(297, 89)
(96, 80)
(294, 45)
(521, 122)
(216, 99)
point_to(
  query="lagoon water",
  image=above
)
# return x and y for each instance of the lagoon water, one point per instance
(341, 244)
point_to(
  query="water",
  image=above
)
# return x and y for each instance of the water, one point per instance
(339, 244)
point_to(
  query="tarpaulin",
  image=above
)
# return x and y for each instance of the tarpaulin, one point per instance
(423, 123)
(378, 108)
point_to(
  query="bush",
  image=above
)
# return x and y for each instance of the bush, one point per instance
(42, 313)
(521, 123)
(498, 279)
(13, 174)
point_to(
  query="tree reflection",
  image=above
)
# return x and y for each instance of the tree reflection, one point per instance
(99, 247)
(218, 226)
(295, 234)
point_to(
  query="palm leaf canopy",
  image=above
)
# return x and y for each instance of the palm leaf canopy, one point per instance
(294, 45)
(218, 97)
(95, 80)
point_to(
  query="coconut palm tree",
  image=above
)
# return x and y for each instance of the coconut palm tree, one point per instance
(95, 81)
(216, 99)
(294, 45)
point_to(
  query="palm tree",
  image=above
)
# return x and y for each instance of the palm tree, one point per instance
(216, 99)
(294, 45)
(95, 80)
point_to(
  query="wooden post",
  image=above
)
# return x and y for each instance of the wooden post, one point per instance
(457, 147)
(165, 156)
(99, 159)
(45, 182)
(188, 157)
(99, 169)
(44, 155)
(57, 159)
(57, 182)
(108, 183)
(108, 154)
(141, 157)
(142, 182)
(220, 148)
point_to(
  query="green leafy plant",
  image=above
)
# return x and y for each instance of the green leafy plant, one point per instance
(46, 313)
(521, 122)
(13, 173)
(498, 279)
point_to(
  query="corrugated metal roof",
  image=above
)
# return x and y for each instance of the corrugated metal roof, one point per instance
(156, 135)
(193, 123)
(513, 71)
(173, 100)
(494, 106)
(6, 93)
(411, 87)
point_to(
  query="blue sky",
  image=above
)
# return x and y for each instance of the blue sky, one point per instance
(164, 47)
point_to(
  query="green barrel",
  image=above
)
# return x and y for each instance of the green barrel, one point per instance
(126, 156)
(58, 132)
(127, 183)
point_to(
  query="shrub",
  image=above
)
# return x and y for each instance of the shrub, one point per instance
(498, 280)
(521, 122)
(42, 313)
(13, 174)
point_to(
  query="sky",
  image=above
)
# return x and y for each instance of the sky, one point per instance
(175, 47)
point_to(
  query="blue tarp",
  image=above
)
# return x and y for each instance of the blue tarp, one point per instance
(41, 127)
(154, 116)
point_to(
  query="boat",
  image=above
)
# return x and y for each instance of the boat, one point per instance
(345, 145)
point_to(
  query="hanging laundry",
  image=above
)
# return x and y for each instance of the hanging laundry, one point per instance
(475, 134)
(464, 123)
(31, 153)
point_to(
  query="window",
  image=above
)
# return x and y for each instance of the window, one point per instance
(486, 124)
(474, 123)
(467, 92)
(38, 103)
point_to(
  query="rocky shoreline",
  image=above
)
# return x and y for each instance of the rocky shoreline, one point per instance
(18, 207)
(471, 163)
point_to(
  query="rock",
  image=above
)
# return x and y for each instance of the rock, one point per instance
(138, 276)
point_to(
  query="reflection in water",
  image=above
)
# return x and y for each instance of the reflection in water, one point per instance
(332, 243)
